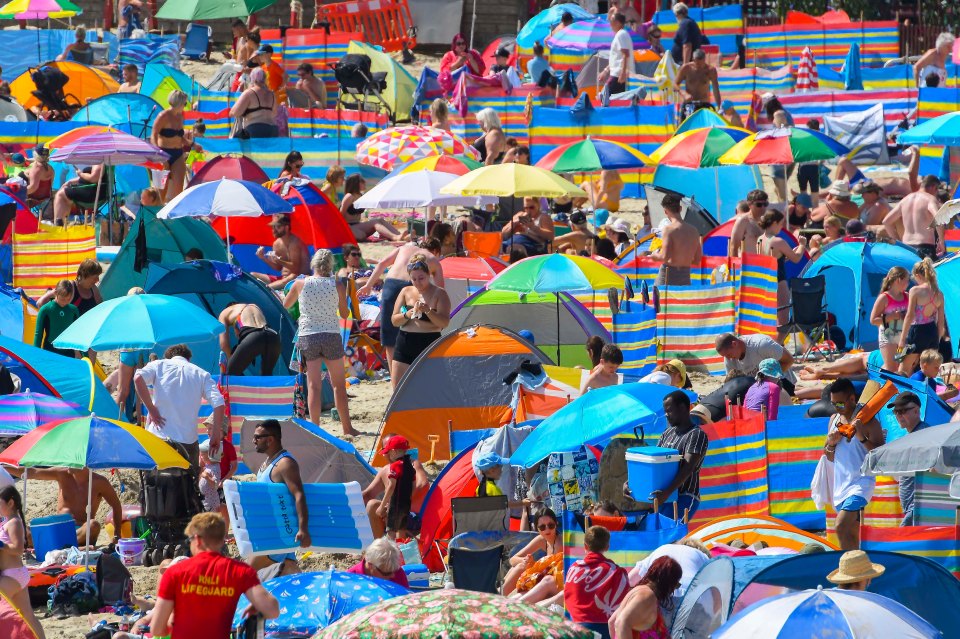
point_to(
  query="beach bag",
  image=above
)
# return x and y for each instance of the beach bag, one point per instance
(75, 595)
(824, 177)
(300, 397)
(114, 582)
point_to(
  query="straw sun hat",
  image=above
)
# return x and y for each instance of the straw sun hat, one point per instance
(855, 566)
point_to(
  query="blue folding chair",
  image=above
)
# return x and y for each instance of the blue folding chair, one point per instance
(197, 43)
(461, 440)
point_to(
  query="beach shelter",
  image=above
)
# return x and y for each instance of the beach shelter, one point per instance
(751, 529)
(400, 83)
(85, 84)
(161, 242)
(159, 80)
(322, 457)
(18, 314)
(854, 272)
(13, 624)
(131, 112)
(25, 222)
(47, 373)
(315, 220)
(702, 119)
(211, 286)
(457, 381)
(537, 313)
(716, 243)
(717, 189)
(948, 278)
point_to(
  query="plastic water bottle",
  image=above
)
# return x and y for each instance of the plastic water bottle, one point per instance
(335, 414)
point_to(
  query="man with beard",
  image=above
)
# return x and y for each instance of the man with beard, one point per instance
(289, 255)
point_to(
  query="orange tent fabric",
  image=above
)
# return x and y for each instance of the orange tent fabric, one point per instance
(86, 83)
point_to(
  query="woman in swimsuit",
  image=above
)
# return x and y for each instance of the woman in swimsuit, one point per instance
(934, 60)
(639, 615)
(255, 339)
(548, 540)
(888, 313)
(333, 182)
(493, 143)
(925, 317)
(770, 243)
(292, 166)
(421, 311)
(352, 190)
(354, 269)
(14, 576)
(169, 135)
(257, 107)
(86, 293)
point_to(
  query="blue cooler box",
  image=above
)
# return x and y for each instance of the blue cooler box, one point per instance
(418, 575)
(52, 533)
(651, 468)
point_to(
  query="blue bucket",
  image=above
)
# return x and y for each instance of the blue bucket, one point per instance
(52, 533)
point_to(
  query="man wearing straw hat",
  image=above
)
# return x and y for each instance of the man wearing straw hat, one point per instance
(856, 571)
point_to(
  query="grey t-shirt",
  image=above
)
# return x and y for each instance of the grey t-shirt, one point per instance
(758, 348)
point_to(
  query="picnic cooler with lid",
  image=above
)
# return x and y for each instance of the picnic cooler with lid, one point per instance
(651, 468)
(52, 533)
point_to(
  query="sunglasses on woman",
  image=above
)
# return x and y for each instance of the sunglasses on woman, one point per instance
(550, 526)
(354, 254)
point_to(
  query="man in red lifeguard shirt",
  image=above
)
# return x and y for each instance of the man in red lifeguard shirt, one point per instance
(594, 586)
(202, 592)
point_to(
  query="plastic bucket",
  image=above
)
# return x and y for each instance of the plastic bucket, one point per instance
(131, 551)
(52, 533)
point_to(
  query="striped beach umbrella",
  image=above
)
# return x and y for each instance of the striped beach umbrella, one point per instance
(111, 148)
(22, 412)
(784, 146)
(78, 133)
(590, 35)
(38, 10)
(402, 144)
(456, 164)
(807, 79)
(698, 148)
(592, 154)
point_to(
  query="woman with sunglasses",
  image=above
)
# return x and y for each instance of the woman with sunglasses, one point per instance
(354, 268)
(292, 166)
(548, 541)
(654, 36)
(421, 311)
(458, 57)
(382, 560)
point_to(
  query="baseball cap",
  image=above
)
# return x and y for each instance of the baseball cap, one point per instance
(600, 217)
(904, 400)
(804, 199)
(578, 217)
(397, 442)
(17, 158)
(489, 460)
(265, 48)
(502, 53)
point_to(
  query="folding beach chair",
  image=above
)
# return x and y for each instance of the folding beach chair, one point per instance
(482, 244)
(460, 440)
(478, 514)
(196, 45)
(476, 569)
(808, 315)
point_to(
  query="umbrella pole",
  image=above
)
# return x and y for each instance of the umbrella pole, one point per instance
(96, 201)
(229, 259)
(558, 329)
(25, 490)
(86, 549)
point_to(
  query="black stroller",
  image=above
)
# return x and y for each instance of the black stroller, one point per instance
(50, 82)
(360, 88)
(168, 499)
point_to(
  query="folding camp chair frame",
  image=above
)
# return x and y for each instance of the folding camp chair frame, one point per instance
(817, 334)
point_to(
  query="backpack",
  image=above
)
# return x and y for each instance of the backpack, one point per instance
(75, 595)
(113, 581)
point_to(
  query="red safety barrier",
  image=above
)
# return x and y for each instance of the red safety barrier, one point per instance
(386, 23)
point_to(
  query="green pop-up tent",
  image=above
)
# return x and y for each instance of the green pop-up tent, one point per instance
(192, 10)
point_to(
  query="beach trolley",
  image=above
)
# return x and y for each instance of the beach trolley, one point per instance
(168, 500)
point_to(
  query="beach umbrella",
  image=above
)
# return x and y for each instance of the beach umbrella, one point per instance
(38, 10)
(698, 148)
(311, 601)
(935, 449)
(537, 28)
(838, 614)
(402, 144)
(947, 212)
(139, 322)
(232, 167)
(195, 10)
(702, 119)
(852, 75)
(455, 164)
(74, 135)
(592, 155)
(593, 419)
(453, 613)
(417, 189)
(807, 79)
(942, 130)
(92, 442)
(784, 146)
(513, 180)
(590, 35)
(225, 198)
(22, 412)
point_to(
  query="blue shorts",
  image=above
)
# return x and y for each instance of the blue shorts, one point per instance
(855, 503)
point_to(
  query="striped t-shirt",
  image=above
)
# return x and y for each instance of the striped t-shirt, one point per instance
(691, 442)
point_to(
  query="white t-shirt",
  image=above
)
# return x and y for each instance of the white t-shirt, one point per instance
(657, 377)
(690, 559)
(621, 42)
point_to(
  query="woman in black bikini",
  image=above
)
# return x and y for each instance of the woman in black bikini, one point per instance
(86, 293)
(169, 135)
(352, 190)
(257, 106)
(421, 311)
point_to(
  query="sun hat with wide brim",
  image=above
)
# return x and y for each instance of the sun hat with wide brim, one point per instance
(770, 368)
(855, 566)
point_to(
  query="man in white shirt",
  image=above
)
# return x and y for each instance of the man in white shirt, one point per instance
(179, 388)
(618, 71)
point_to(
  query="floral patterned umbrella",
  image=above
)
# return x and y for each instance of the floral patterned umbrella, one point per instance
(401, 144)
(453, 614)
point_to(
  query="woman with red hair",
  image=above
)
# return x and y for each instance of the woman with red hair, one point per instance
(456, 58)
(639, 615)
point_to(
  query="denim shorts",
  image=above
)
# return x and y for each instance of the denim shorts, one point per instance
(856, 503)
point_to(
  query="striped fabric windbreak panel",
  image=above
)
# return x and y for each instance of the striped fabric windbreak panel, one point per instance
(690, 318)
(794, 447)
(938, 543)
(777, 45)
(757, 300)
(314, 47)
(722, 25)
(40, 260)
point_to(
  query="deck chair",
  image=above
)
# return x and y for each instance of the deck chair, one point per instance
(482, 244)
(477, 514)
(196, 45)
(808, 315)
(460, 440)
(477, 570)
(100, 53)
(83, 57)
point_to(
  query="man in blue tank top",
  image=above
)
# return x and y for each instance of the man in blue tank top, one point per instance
(280, 467)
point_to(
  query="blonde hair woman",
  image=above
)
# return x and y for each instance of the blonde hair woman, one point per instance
(889, 312)
(169, 134)
(925, 317)
(493, 143)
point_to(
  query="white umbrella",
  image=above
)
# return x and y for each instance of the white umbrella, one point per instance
(417, 189)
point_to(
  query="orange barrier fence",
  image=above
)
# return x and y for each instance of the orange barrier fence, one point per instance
(385, 23)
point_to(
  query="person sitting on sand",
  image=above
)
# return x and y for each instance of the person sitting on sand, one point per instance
(382, 560)
(73, 485)
(289, 255)
(605, 374)
(352, 190)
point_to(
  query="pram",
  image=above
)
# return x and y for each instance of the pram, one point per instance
(168, 499)
(360, 88)
(50, 82)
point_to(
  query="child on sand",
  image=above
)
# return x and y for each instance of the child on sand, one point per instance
(55, 317)
(210, 476)
(397, 497)
(605, 374)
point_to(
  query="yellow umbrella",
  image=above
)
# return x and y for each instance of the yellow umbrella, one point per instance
(513, 180)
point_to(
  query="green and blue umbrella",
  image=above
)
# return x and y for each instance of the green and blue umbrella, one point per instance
(591, 155)
(784, 146)
(555, 273)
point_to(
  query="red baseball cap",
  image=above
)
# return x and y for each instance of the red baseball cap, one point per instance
(397, 442)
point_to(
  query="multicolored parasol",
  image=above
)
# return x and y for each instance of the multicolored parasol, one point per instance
(784, 146)
(698, 148)
(38, 10)
(592, 154)
(455, 164)
(590, 35)
(22, 412)
(453, 613)
(555, 273)
(402, 144)
(512, 180)
(78, 133)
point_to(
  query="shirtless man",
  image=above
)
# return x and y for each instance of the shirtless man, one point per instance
(874, 208)
(396, 279)
(255, 339)
(576, 240)
(530, 228)
(699, 77)
(312, 86)
(837, 202)
(680, 249)
(131, 79)
(746, 230)
(289, 255)
(121, 18)
(72, 499)
(916, 213)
